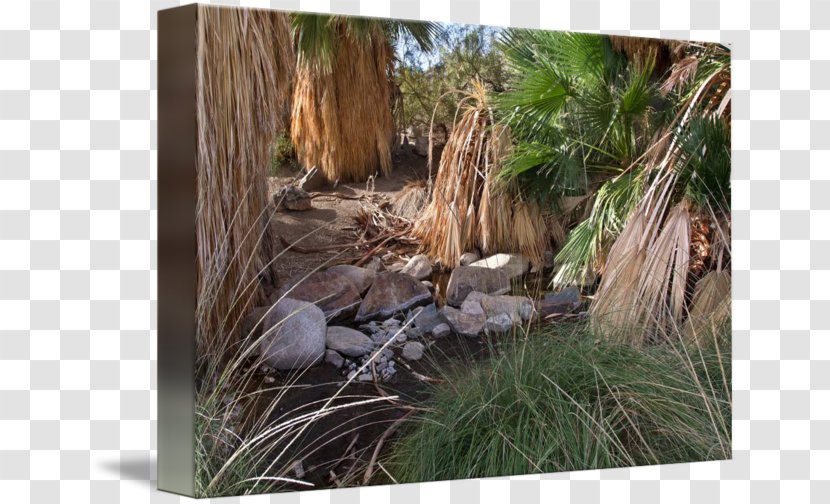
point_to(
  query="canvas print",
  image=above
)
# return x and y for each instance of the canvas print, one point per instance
(416, 251)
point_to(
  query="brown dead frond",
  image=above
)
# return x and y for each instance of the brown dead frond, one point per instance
(682, 74)
(341, 120)
(244, 71)
(711, 306)
(467, 208)
(643, 291)
(640, 49)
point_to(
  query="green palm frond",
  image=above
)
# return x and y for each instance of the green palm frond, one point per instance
(314, 38)
(704, 162)
(587, 243)
(316, 35)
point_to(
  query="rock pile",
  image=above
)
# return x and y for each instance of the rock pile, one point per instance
(351, 316)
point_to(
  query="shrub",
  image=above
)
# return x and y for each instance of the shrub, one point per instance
(560, 402)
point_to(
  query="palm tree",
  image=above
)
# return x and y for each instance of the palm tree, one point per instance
(245, 64)
(644, 156)
(341, 119)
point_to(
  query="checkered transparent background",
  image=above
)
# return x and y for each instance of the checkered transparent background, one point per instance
(78, 251)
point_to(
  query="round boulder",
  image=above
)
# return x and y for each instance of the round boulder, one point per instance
(419, 267)
(294, 335)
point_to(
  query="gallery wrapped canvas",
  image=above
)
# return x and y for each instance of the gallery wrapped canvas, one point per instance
(394, 251)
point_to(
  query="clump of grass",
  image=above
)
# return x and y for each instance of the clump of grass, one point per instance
(244, 442)
(560, 402)
(282, 155)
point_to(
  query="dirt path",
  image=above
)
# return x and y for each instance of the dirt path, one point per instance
(331, 221)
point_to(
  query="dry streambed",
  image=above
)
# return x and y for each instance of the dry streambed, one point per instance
(382, 331)
(347, 316)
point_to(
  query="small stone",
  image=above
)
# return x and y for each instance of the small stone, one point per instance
(414, 332)
(468, 258)
(269, 379)
(428, 284)
(441, 330)
(334, 358)
(379, 338)
(472, 303)
(392, 322)
(412, 351)
(425, 317)
(348, 341)
(297, 467)
(364, 378)
(401, 338)
(498, 323)
(388, 353)
(292, 198)
(465, 324)
(513, 265)
(419, 267)
(519, 308)
(351, 374)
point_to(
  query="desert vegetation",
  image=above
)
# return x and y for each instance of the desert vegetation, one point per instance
(480, 252)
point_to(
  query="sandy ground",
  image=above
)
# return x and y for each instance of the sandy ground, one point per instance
(331, 220)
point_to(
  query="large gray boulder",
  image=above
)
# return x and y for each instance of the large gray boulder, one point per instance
(348, 341)
(332, 292)
(419, 267)
(294, 335)
(467, 279)
(392, 294)
(514, 265)
(465, 324)
(362, 278)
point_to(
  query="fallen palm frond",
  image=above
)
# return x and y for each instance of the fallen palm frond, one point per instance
(340, 120)
(244, 71)
(381, 229)
(468, 209)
